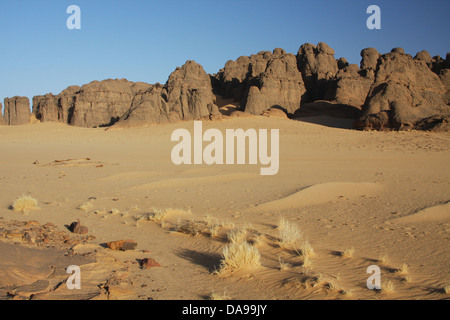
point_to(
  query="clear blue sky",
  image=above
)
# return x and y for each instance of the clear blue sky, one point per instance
(145, 40)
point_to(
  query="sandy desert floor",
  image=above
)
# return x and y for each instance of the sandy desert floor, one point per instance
(381, 197)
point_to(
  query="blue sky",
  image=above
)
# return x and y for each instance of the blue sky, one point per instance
(145, 40)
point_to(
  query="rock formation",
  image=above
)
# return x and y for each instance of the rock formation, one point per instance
(17, 111)
(262, 81)
(1, 114)
(404, 92)
(386, 91)
(186, 96)
(318, 66)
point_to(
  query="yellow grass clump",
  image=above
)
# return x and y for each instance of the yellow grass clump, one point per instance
(218, 296)
(239, 255)
(387, 287)
(290, 234)
(348, 253)
(24, 204)
(86, 207)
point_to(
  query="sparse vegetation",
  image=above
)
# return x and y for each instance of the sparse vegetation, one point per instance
(384, 259)
(283, 265)
(237, 235)
(387, 287)
(239, 255)
(403, 270)
(447, 289)
(290, 234)
(24, 204)
(86, 207)
(307, 250)
(348, 253)
(217, 296)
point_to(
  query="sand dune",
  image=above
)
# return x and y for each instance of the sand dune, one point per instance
(194, 181)
(438, 213)
(321, 193)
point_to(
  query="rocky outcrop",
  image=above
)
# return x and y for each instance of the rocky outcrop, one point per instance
(187, 95)
(404, 92)
(148, 107)
(1, 114)
(55, 108)
(262, 81)
(17, 111)
(389, 91)
(189, 92)
(350, 86)
(318, 67)
(101, 103)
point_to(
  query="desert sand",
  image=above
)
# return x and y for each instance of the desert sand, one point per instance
(382, 198)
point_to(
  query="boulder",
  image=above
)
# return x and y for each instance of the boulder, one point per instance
(148, 263)
(1, 114)
(425, 57)
(122, 245)
(17, 111)
(369, 61)
(318, 66)
(342, 63)
(438, 123)
(76, 227)
(398, 50)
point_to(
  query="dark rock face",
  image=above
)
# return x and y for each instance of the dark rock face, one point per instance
(261, 81)
(318, 66)
(17, 111)
(405, 91)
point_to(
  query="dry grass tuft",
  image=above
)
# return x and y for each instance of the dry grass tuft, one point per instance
(387, 287)
(86, 207)
(239, 255)
(217, 296)
(403, 270)
(237, 235)
(307, 250)
(304, 281)
(348, 253)
(290, 234)
(24, 204)
(447, 289)
(283, 265)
